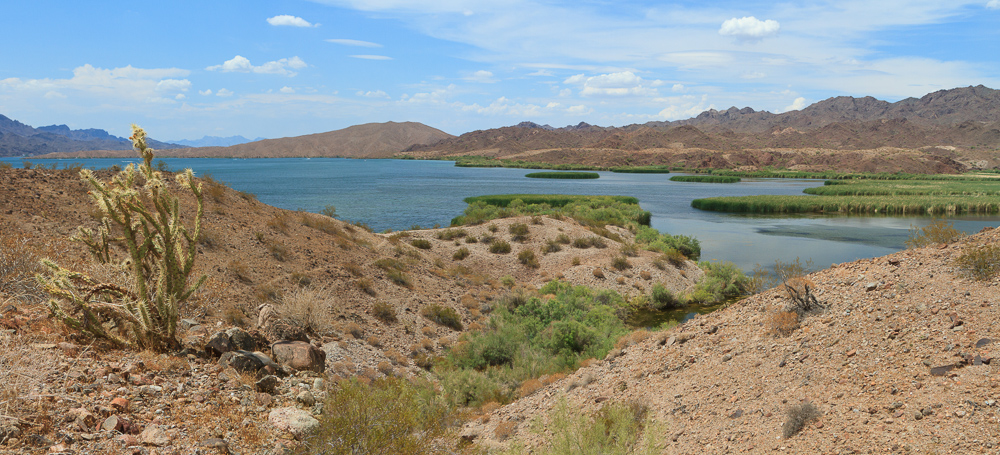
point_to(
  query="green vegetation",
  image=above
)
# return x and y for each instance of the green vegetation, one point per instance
(979, 262)
(651, 239)
(588, 210)
(499, 247)
(140, 216)
(519, 232)
(564, 175)
(833, 175)
(527, 257)
(907, 188)
(390, 415)
(443, 315)
(642, 169)
(938, 231)
(460, 254)
(423, 244)
(704, 178)
(722, 282)
(527, 337)
(483, 161)
(615, 429)
(884, 205)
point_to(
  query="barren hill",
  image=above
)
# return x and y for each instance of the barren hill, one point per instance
(19, 139)
(370, 140)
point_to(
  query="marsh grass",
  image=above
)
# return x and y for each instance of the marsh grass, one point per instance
(883, 205)
(705, 179)
(564, 175)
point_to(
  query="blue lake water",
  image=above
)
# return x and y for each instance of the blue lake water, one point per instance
(398, 194)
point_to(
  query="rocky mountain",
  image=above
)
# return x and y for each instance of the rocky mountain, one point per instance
(216, 141)
(19, 139)
(371, 140)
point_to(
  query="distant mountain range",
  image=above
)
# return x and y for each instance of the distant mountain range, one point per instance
(216, 141)
(371, 140)
(18, 139)
(966, 117)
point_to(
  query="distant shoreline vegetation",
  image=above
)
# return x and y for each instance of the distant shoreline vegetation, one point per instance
(705, 178)
(864, 197)
(564, 175)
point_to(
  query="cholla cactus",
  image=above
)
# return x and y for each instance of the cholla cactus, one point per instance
(160, 258)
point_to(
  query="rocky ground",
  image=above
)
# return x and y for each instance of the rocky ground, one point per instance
(899, 359)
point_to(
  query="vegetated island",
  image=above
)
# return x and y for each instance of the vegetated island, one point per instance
(564, 175)
(915, 195)
(705, 178)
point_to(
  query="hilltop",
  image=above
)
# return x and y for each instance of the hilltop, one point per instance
(19, 139)
(371, 140)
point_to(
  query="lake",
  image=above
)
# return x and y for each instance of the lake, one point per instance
(399, 194)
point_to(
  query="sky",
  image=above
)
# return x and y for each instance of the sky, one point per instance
(278, 68)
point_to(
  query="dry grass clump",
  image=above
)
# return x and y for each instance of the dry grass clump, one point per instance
(674, 257)
(939, 231)
(980, 262)
(527, 257)
(353, 268)
(400, 278)
(620, 263)
(385, 368)
(645, 275)
(22, 370)
(267, 292)
(783, 323)
(384, 312)
(630, 249)
(551, 246)
(469, 302)
(519, 232)
(529, 387)
(582, 380)
(232, 314)
(587, 242)
(620, 280)
(18, 266)
(451, 234)
(797, 417)
(353, 329)
(423, 244)
(308, 309)
(505, 430)
(374, 341)
(499, 247)
(366, 286)
(427, 331)
(442, 315)
(277, 249)
(397, 357)
(323, 224)
(631, 339)
(460, 254)
(279, 222)
(598, 273)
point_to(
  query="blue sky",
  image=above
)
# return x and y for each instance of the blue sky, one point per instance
(184, 69)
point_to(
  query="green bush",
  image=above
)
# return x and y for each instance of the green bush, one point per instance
(499, 247)
(563, 175)
(443, 315)
(460, 254)
(527, 257)
(722, 281)
(384, 312)
(620, 263)
(551, 246)
(615, 429)
(661, 298)
(389, 416)
(519, 232)
(423, 244)
(938, 231)
(587, 210)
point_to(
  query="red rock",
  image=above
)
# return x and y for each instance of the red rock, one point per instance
(121, 404)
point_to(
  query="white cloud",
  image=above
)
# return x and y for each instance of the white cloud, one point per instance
(579, 109)
(180, 96)
(373, 94)
(206, 92)
(241, 64)
(504, 106)
(128, 84)
(481, 76)
(749, 28)
(796, 105)
(372, 57)
(625, 83)
(682, 107)
(54, 95)
(286, 89)
(547, 73)
(993, 4)
(291, 21)
(353, 42)
(753, 75)
(224, 93)
(677, 88)
(173, 85)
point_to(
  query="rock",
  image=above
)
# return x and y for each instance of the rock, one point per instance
(319, 384)
(218, 344)
(154, 435)
(871, 287)
(241, 340)
(242, 361)
(306, 398)
(217, 444)
(266, 360)
(113, 423)
(83, 419)
(983, 342)
(188, 323)
(69, 349)
(941, 370)
(299, 355)
(293, 420)
(120, 404)
(267, 384)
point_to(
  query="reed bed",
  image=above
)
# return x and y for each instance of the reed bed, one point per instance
(564, 175)
(642, 169)
(882, 205)
(906, 188)
(705, 178)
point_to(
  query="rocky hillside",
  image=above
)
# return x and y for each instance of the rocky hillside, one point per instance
(371, 140)
(273, 275)
(900, 356)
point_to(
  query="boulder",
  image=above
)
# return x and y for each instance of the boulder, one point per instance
(299, 355)
(218, 344)
(242, 361)
(293, 420)
(267, 384)
(154, 435)
(241, 340)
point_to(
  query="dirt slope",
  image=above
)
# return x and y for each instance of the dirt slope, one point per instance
(901, 360)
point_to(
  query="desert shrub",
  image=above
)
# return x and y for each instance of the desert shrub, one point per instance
(451, 234)
(396, 357)
(471, 239)
(575, 260)
(938, 231)
(443, 315)
(551, 246)
(762, 279)
(659, 264)
(423, 244)
(366, 286)
(645, 275)
(267, 292)
(630, 250)
(499, 247)
(519, 232)
(384, 312)
(783, 323)
(493, 228)
(279, 222)
(300, 279)
(620, 263)
(799, 290)
(215, 189)
(615, 429)
(209, 239)
(353, 329)
(390, 415)
(18, 266)
(563, 239)
(460, 254)
(144, 311)
(797, 417)
(660, 298)
(527, 257)
(308, 309)
(329, 211)
(353, 268)
(277, 249)
(674, 257)
(722, 281)
(321, 223)
(399, 278)
(653, 240)
(388, 264)
(980, 262)
(7, 165)
(598, 273)
(536, 220)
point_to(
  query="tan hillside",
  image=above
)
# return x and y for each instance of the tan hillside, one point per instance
(370, 140)
(901, 359)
